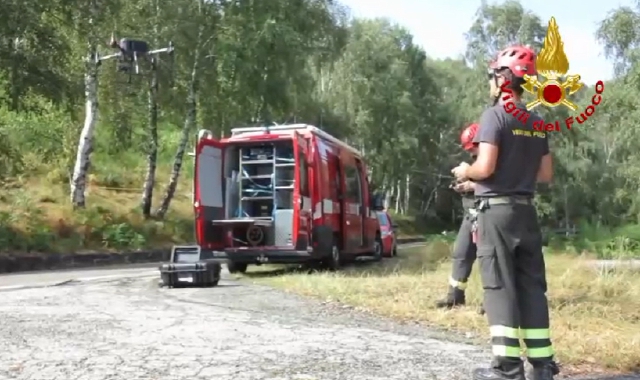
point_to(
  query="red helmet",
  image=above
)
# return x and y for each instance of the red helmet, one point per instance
(467, 136)
(520, 60)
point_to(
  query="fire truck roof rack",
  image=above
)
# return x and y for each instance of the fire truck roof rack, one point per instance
(235, 132)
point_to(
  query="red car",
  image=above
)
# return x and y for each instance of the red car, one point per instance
(388, 232)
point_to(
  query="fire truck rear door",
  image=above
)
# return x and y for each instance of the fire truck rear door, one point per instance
(301, 194)
(208, 191)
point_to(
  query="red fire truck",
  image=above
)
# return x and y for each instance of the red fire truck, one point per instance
(282, 194)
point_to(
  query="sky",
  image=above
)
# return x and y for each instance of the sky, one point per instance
(439, 26)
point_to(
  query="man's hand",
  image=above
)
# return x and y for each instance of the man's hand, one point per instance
(460, 172)
(464, 187)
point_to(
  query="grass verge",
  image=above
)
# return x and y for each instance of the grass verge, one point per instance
(595, 317)
(36, 216)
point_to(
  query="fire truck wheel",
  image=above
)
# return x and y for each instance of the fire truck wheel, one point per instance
(377, 248)
(236, 267)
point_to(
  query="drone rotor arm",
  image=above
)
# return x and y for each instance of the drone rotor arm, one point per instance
(110, 56)
(160, 51)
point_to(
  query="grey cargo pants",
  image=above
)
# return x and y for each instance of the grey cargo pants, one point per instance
(513, 277)
(464, 254)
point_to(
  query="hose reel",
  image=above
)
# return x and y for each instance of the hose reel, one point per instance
(255, 235)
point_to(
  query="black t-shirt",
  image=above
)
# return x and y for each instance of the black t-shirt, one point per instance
(520, 149)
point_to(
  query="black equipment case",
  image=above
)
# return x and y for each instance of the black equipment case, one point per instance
(187, 268)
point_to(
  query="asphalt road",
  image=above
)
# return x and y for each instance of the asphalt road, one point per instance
(118, 324)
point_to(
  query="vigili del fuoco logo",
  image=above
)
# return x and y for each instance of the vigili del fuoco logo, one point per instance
(552, 87)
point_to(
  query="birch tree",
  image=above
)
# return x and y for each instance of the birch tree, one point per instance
(85, 144)
(187, 129)
(152, 144)
(192, 106)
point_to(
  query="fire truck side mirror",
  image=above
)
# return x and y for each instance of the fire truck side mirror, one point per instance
(377, 201)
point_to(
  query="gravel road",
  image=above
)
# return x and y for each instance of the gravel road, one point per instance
(128, 328)
(125, 327)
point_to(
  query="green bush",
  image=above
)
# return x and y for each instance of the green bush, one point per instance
(122, 235)
(604, 242)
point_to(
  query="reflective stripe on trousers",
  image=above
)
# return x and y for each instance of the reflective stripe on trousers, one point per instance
(505, 342)
(462, 285)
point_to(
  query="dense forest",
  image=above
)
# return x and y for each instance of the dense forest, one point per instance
(245, 62)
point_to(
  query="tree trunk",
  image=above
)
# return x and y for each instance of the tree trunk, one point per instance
(432, 196)
(152, 148)
(85, 144)
(566, 211)
(397, 192)
(388, 194)
(189, 123)
(123, 132)
(15, 77)
(407, 193)
(78, 183)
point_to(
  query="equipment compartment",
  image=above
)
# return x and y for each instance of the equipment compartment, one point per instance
(259, 183)
(264, 174)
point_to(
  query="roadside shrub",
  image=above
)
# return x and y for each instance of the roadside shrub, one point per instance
(602, 241)
(122, 235)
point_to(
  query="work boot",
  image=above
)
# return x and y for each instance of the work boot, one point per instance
(492, 374)
(506, 371)
(544, 371)
(454, 298)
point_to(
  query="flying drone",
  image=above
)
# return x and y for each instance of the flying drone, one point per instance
(131, 53)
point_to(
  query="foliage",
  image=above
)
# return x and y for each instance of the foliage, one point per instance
(296, 61)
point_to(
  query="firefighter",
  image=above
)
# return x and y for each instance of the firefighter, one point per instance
(464, 249)
(512, 157)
